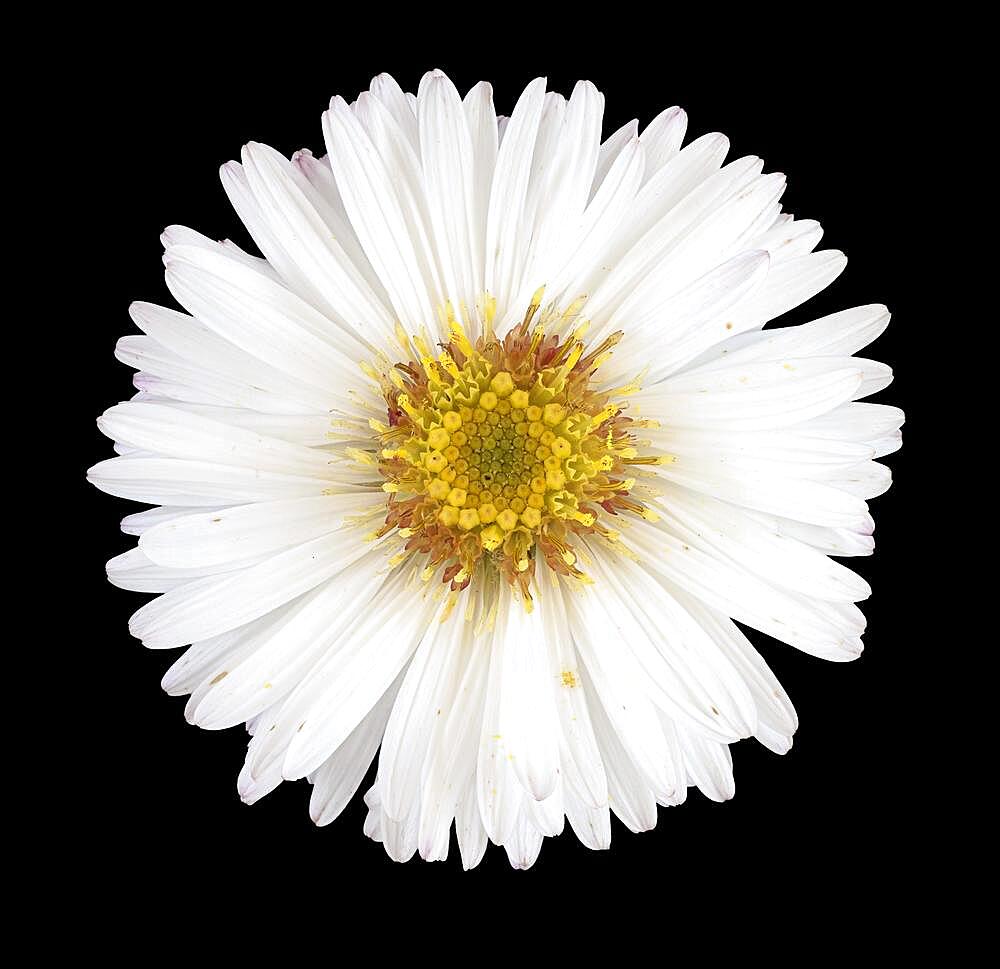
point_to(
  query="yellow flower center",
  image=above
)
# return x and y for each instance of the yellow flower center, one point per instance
(501, 450)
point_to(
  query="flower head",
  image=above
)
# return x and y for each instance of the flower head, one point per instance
(474, 470)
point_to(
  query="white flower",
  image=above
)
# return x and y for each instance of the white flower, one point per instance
(480, 462)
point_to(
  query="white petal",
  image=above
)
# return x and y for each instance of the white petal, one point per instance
(318, 183)
(469, 828)
(431, 682)
(280, 266)
(579, 754)
(321, 713)
(135, 571)
(621, 688)
(385, 222)
(192, 667)
(675, 198)
(283, 658)
(789, 240)
(560, 193)
(653, 276)
(709, 765)
(630, 797)
(165, 374)
(177, 433)
(450, 766)
(829, 630)
(548, 816)
(774, 708)
(144, 520)
(527, 720)
(386, 89)
(213, 605)
(312, 244)
(506, 244)
(482, 121)
(689, 677)
(179, 235)
(524, 842)
(788, 285)
(755, 396)
(797, 498)
(187, 338)
(447, 156)
(591, 825)
(683, 325)
(309, 430)
(169, 481)
(338, 780)
(248, 531)
(265, 320)
(756, 547)
(601, 219)
(662, 138)
(497, 791)
(611, 148)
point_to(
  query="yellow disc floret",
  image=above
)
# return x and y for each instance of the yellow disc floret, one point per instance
(503, 449)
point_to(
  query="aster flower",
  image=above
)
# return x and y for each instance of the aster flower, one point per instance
(476, 467)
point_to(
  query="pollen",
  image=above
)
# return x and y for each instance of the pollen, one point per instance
(498, 451)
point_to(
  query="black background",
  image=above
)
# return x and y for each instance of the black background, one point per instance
(154, 803)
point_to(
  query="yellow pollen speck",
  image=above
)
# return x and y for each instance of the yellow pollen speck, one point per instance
(569, 678)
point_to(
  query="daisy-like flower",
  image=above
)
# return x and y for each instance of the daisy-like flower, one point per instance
(476, 467)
